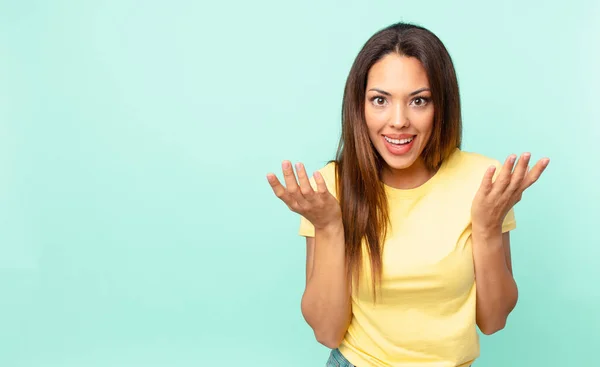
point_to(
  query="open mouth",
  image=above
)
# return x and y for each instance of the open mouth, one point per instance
(399, 141)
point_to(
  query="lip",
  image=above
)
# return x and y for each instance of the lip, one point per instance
(399, 150)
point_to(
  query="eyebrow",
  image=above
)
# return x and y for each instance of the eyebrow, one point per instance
(389, 94)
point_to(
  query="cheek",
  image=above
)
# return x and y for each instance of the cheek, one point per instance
(375, 118)
(370, 119)
(423, 121)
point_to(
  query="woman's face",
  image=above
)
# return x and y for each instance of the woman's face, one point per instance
(399, 110)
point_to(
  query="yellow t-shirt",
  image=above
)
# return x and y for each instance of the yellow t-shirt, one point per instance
(425, 311)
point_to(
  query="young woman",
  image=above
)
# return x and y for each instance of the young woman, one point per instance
(407, 235)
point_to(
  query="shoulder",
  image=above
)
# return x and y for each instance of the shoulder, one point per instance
(471, 162)
(466, 169)
(328, 171)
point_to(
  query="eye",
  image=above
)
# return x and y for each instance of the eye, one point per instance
(420, 101)
(378, 101)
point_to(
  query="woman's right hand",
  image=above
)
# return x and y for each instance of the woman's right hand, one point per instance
(319, 207)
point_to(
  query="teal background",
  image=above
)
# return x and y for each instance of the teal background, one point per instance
(137, 225)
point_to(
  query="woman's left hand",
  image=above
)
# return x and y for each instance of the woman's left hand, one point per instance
(494, 199)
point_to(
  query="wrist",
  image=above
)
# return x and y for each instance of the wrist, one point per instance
(487, 239)
(486, 230)
(333, 228)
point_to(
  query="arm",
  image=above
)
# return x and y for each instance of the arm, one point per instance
(496, 288)
(326, 303)
(497, 292)
(326, 300)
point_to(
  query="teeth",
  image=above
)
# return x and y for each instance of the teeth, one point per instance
(399, 141)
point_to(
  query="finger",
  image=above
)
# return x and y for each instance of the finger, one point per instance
(278, 188)
(519, 173)
(486, 182)
(535, 173)
(305, 186)
(505, 174)
(291, 184)
(321, 185)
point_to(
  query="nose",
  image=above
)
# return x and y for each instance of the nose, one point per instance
(399, 117)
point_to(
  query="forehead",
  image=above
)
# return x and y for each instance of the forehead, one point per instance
(395, 73)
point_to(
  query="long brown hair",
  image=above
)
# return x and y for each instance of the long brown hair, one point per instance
(361, 192)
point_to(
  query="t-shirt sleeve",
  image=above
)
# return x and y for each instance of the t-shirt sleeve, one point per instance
(509, 221)
(306, 228)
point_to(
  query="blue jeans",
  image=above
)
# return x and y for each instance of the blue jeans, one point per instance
(336, 359)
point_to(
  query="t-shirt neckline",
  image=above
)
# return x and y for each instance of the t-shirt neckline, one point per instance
(423, 188)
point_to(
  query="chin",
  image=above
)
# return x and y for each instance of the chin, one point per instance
(398, 162)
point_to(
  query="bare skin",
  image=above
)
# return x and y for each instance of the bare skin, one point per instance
(326, 305)
(398, 103)
(497, 292)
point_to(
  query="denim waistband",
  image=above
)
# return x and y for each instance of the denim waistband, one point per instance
(336, 359)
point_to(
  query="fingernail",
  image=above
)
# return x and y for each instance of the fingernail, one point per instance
(546, 161)
(527, 155)
(512, 158)
(298, 165)
(286, 165)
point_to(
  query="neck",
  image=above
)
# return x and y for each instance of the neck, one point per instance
(407, 178)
